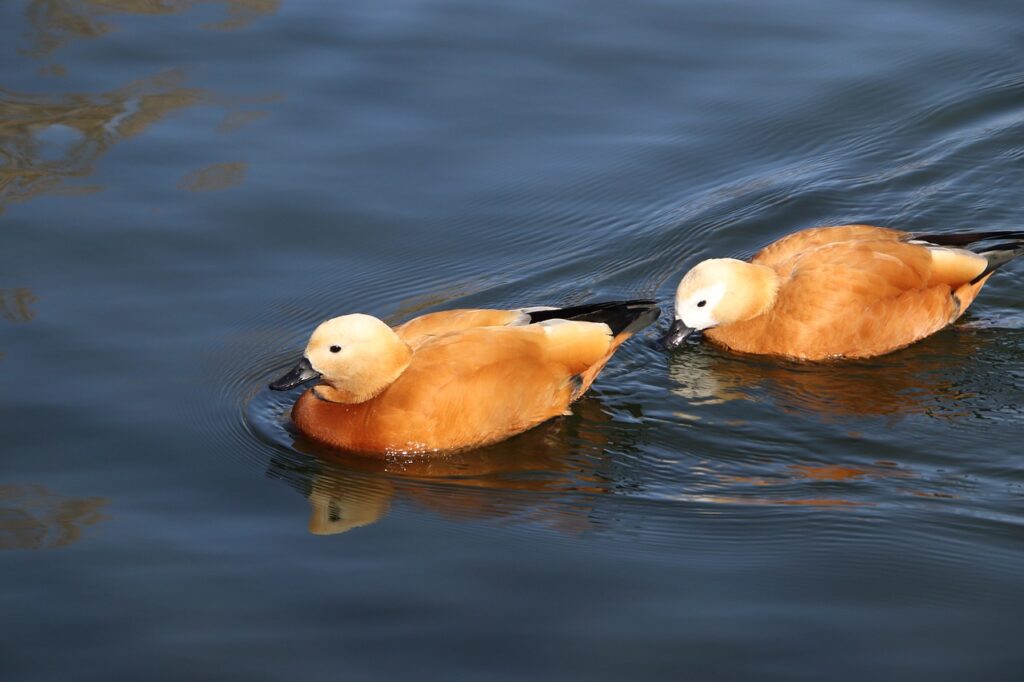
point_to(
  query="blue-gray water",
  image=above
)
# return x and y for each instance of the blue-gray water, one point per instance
(186, 188)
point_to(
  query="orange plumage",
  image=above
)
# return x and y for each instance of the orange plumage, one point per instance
(848, 291)
(455, 379)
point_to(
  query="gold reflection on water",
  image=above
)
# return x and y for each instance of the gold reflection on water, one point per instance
(341, 502)
(31, 517)
(922, 379)
(785, 502)
(15, 304)
(48, 140)
(563, 455)
(57, 22)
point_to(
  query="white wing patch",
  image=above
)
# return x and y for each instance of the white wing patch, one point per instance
(553, 327)
(524, 315)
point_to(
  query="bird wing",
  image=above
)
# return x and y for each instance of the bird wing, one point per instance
(483, 384)
(776, 254)
(420, 329)
(859, 298)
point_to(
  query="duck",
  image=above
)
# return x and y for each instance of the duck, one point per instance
(845, 291)
(452, 380)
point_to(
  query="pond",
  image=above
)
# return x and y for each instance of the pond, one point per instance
(187, 188)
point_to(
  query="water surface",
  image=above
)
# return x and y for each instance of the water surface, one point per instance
(187, 188)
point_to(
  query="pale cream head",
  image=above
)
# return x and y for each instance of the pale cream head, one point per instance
(357, 356)
(723, 291)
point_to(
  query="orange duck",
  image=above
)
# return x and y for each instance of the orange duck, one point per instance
(852, 291)
(455, 379)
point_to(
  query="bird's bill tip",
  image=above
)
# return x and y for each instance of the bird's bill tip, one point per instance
(299, 374)
(676, 335)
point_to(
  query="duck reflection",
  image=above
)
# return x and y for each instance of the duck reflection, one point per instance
(47, 140)
(928, 378)
(15, 304)
(812, 484)
(496, 482)
(32, 517)
(57, 22)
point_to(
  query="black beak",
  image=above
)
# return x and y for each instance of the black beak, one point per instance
(677, 333)
(299, 374)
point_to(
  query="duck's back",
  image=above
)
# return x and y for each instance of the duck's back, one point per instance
(419, 330)
(778, 253)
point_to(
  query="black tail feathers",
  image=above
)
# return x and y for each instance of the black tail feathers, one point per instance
(965, 239)
(619, 315)
(999, 255)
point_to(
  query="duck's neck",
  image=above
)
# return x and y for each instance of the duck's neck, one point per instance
(752, 290)
(762, 291)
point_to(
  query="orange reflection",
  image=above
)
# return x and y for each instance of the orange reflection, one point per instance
(47, 140)
(57, 22)
(829, 472)
(15, 304)
(31, 517)
(565, 454)
(778, 485)
(767, 501)
(921, 379)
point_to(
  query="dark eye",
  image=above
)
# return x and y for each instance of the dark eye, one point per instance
(335, 349)
(701, 304)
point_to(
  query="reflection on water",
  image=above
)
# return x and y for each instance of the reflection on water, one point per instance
(32, 517)
(341, 501)
(815, 485)
(57, 22)
(556, 448)
(555, 475)
(15, 304)
(922, 379)
(563, 455)
(47, 140)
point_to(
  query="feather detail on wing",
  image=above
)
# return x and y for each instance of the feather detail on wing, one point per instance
(798, 243)
(419, 329)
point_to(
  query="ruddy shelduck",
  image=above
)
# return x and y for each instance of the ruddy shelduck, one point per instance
(851, 291)
(455, 379)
